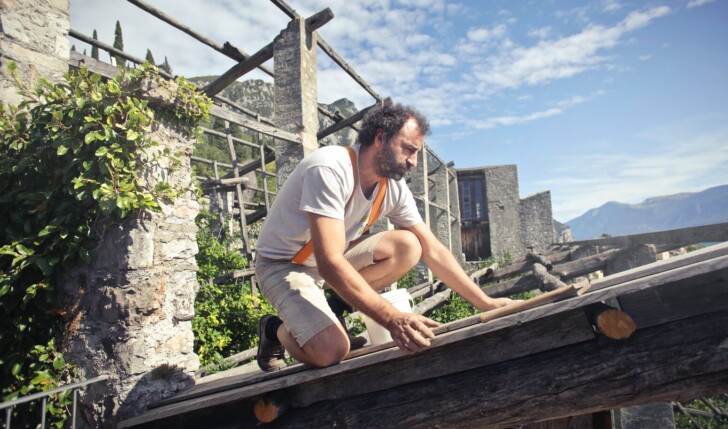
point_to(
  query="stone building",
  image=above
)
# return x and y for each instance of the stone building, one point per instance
(495, 220)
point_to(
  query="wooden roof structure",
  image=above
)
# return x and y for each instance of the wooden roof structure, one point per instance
(545, 360)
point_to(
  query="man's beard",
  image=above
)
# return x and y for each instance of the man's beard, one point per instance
(387, 165)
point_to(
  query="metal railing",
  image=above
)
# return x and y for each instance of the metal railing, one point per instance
(43, 396)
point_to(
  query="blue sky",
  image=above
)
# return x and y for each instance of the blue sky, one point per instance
(595, 101)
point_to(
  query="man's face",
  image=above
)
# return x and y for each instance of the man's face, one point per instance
(399, 153)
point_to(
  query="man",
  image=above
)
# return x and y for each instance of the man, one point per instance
(327, 199)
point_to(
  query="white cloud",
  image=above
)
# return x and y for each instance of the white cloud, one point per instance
(484, 34)
(540, 33)
(611, 6)
(696, 3)
(560, 58)
(645, 57)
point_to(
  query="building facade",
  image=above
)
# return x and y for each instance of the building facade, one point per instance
(495, 221)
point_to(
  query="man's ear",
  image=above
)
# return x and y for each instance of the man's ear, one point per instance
(379, 137)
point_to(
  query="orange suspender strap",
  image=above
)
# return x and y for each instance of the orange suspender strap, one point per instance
(307, 248)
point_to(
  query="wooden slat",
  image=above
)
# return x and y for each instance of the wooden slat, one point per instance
(253, 125)
(227, 50)
(313, 23)
(672, 362)
(660, 266)
(235, 389)
(683, 236)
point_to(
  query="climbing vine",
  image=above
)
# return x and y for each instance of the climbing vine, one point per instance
(74, 158)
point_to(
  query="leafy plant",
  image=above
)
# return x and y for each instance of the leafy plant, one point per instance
(226, 314)
(74, 158)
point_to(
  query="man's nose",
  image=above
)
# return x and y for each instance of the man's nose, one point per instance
(412, 161)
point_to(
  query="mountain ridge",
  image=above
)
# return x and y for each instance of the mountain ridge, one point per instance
(658, 213)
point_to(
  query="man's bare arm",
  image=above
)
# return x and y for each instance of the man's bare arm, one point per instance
(444, 265)
(409, 331)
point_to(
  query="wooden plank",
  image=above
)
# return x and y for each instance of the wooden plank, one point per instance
(583, 266)
(313, 23)
(660, 266)
(576, 330)
(432, 302)
(678, 361)
(241, 120)
(683, 236)
(233, 389)
(683, 299)
(564, 292)
(515, 342)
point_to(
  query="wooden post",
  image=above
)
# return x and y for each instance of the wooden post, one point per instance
(238, 190)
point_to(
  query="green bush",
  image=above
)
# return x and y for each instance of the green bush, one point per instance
(226, 314)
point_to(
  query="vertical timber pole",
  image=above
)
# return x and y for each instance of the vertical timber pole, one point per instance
(426, 199)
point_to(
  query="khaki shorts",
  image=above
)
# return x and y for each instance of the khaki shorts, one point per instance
(297, 291)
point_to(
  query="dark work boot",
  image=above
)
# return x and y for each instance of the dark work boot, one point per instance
(271, 354)
(339, 306)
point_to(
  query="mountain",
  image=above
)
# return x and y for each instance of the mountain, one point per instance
(653, 214)
(257, 95)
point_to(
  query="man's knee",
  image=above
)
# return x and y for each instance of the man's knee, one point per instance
(328, 347)
(407, 247)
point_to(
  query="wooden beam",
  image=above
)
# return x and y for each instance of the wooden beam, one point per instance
(253, 125)
(584, 266)
(227, 49)
(547, 281)
(678, 361)
(611, 322)
(230, 389)
(683, 236)
(356, 117)
(313, 23)
(288, 10)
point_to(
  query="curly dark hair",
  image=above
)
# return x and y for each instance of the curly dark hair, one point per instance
(390, 120)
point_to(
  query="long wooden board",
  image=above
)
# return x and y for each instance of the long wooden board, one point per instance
(232, 390)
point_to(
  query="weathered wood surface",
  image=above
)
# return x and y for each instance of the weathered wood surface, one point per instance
(677, 361)
(547, 281)
(711, 273)
(678, 237)
(583, 266)
(313, 23)
(282, 5)
(611, 322)
(239, 119)
(563, 292)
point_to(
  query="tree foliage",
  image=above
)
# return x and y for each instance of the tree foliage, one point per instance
(226, 314)
(118, 44)
(94, 48)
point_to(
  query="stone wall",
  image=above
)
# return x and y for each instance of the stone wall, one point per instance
(130, 310)
(537, 221)
(34, 35)
(503, 205)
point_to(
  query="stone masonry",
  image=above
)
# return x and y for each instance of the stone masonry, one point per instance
(130, 310)
(33, 35)
(295, 94)
(537, 227)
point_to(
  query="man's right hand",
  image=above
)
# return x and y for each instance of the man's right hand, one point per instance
(411, 332)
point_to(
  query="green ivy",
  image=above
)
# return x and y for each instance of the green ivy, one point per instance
(73, 158)
(226, 314)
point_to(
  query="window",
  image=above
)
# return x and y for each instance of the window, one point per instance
(472, 205)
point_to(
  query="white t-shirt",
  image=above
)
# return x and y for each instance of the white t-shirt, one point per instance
(323, 183)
